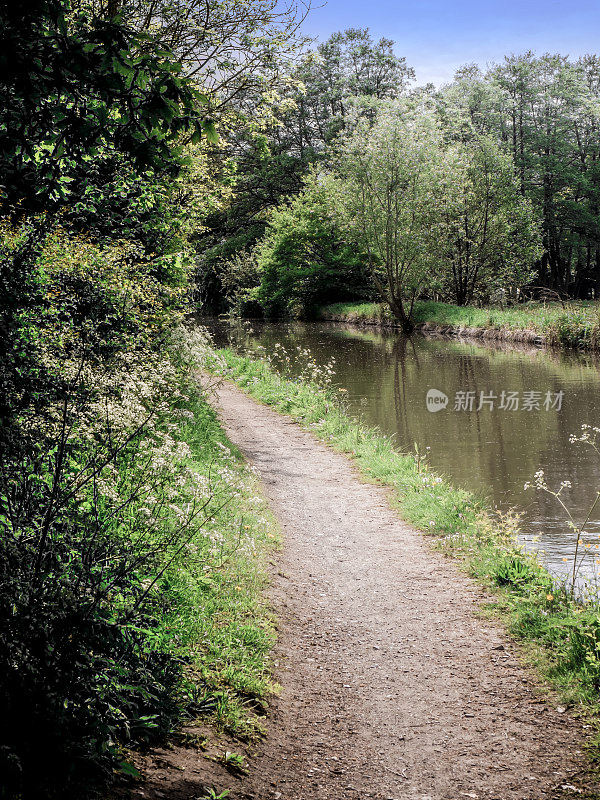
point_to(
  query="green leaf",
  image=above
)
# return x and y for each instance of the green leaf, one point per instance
(128, 769)
(210, 132)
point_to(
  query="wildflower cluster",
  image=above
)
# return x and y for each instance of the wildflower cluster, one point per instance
(589, 435)
(585, 544)
(103, 509)
(296, 363)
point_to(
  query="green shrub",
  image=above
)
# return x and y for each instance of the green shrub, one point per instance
(571, 329)
(93, 488)
(514, 572)
(304, 260)
(583, 652)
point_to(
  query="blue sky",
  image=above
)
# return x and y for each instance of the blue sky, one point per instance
(436, 37)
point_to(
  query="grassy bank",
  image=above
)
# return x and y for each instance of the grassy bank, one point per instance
(218, 617)
(562, 635)
(576, 324)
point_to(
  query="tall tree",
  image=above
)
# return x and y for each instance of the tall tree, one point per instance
(348, 65)
(487, 233)
(233, 49)
(546, 112)
(387, 187)
(271, 163)
(77, 88)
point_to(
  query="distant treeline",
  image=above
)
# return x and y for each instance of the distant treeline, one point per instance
(539, 112)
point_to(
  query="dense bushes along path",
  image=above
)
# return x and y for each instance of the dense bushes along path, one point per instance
(392, 687)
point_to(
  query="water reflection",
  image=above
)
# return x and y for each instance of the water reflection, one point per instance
(490, 452)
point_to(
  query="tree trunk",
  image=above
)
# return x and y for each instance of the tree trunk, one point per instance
(406, 323)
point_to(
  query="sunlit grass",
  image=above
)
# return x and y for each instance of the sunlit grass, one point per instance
(574, 324)
(218, 613)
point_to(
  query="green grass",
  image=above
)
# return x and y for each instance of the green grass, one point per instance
(576, 324)
(218, 615)
(562, 635)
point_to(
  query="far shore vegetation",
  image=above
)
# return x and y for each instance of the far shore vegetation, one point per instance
(567, 324)
(482, 195)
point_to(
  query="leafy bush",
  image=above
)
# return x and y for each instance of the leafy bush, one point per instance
(305, 261)
(97, 502)
(107, 541)
(514, 572)
(573, 328)
(583, 654)
(95, 519)
(239, 280)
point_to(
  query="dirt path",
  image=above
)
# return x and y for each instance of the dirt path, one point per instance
(392, 688)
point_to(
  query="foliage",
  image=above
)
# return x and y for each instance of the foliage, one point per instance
(514, 169)
(274, 156)
(73, 600)
(68, 304)
(517, 165)
(111, 517)
(487, 233)
(237, 50)
(305, 259)
(113, 200)
(348, 66)
(240, 279)
(123, 626)
(388, 182)
(436, 215)
(260, 176)
(78, 88)
(131, 537)
(545, 110)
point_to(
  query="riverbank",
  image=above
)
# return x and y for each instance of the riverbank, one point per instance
(574, 324)
(562, 636)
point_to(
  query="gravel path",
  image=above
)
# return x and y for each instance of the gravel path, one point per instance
(392, 687)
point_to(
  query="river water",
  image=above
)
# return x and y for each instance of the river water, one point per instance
(482, 440)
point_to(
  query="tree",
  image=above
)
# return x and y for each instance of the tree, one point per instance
(542, 98)
(237, 51)
(348, 65)
(305, 260)
(77, 89)
(387, 185)
(488, 235)
(545, 110)
(272, 161)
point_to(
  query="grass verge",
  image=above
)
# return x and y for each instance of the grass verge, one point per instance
(217, 615)
(576, 324)
(562, 634)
